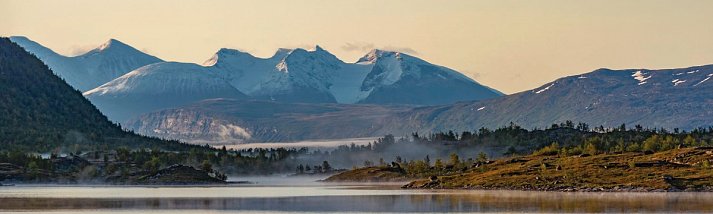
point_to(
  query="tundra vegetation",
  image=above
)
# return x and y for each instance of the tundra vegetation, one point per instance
(614, 159)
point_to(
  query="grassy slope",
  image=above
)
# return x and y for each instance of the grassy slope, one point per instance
(370, 174)
(678, 169)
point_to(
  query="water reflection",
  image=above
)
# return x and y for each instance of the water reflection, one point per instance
(379, 201)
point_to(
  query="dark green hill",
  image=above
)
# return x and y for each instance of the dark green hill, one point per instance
(40, 112)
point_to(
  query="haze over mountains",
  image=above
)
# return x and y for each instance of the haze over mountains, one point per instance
(311, 94)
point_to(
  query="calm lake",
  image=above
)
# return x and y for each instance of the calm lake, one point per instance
(269, 195)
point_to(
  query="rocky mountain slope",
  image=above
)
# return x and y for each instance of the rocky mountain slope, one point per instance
(235, 121)
(669, 98)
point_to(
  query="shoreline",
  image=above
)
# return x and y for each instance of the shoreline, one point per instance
(571, 189)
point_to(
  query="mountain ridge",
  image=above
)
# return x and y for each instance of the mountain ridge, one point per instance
(331, 79)
(290, 75)
(602, 97)
(158, 86)
(93, 68)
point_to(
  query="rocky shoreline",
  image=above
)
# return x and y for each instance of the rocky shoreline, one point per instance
(171, 175)
(412, 185)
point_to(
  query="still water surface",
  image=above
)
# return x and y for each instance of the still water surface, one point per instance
(316, 197)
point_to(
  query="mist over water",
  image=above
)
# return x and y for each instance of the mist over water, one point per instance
(280, 180)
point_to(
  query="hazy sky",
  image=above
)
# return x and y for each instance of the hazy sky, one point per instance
(509, 45)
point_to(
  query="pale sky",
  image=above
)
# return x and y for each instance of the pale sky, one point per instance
(508, 45)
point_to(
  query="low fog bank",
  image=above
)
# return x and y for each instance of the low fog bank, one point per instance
(388, 149)
(328, 157)
(327, 144)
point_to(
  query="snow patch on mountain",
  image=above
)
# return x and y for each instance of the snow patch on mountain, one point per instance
(704, 80)
(640, 76)
(346, 85)
(227, 133)
(389, 64)
(545, 89)
(249, 74)
(677, 81)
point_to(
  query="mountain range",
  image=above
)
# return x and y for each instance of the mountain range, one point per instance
(669, 98)
(128, 83)
(299, 94)
(380, 77)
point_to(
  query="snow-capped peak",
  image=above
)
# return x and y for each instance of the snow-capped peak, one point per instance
(225, 53)
(300, 55)
(108, 44)
(116, 48)
(375, 54)
(111, 45)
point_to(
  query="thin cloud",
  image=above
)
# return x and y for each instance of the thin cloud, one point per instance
(358, 47)
(364, 47)
(401, 49)
(77, 50)
(302, 46)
